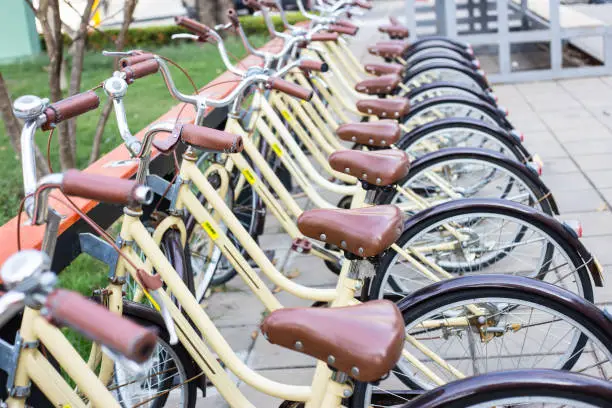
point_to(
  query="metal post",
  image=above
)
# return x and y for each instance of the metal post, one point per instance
(556, 52)
(411, 21)
(450, 18)
(441, 14)
(503, 28)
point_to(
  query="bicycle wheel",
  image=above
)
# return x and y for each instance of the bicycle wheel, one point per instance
(476, 236)
(445, 88)
(491, 323)
(455, 107)
(471, 173)
(169, 378)
(462, 132)
(525, 388)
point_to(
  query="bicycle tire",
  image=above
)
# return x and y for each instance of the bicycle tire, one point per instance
(594, 325)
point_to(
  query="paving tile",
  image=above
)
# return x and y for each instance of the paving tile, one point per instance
(547, 149)
(538, 88)
(601, 179)
(593, 162)
(607, 193)
(593, 130)
(559, 165)
(578, 201)
(552, 102)
(565, 182)
(587, 147)
(580, 84)
(567, 119)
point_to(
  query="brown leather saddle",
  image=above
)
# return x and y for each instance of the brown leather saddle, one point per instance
(382, 85)
(381, 167)
(395, 30)
(379, 69)
(390, 48)
(200, 137)
(364, 232)
(384, 108)
(382, 133)
(364, 341)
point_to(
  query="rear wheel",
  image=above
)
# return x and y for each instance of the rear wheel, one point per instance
(486, 328)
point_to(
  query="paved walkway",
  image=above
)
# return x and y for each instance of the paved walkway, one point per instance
(569, 123)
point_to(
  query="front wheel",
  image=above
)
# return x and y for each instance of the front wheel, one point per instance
(491, 323)
(478, 236)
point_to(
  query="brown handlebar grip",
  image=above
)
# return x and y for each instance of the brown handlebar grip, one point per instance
(324, 37)
(342, 29)
(70, 107)
(254, 4)
(142, 69)
(192, 25)
(105, 189)
(211, 139)
(363, 4)
(347, 23)
(313, 65)
(135, 59)
(290, 88)
(232, 16)
(66, 308)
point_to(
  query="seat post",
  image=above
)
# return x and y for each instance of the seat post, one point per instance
(372, 191)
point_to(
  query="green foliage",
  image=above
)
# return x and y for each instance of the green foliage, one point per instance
(157, 36)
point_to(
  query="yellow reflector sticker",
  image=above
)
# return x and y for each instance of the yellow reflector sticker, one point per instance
(250, 178)
(277, 149)
(212, 233)
(286, 115)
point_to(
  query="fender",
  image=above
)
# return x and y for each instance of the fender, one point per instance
(495, 113)
(441, 38)
(437, 43)
(475, 205)
(469, 152)
(504, 136)
(480, 79)
(534, 382)
(468, 63)
(485, 96)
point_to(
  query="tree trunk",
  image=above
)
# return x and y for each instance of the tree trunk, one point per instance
(78, 56)
(128, 15)
(222, 7)
(207, 12)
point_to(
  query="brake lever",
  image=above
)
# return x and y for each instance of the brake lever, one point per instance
(120, 53)
(185, 36)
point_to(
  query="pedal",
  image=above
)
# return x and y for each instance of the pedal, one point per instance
(301, 246)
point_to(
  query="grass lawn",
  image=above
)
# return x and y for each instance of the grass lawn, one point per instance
(146, 100)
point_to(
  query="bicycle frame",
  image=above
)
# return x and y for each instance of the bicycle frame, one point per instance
(33, 367)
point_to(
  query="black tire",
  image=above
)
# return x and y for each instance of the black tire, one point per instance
(434, 215)
(540, 193)
(473, 77)
(469, 289)
(536, 385)
(485, 96)
(508, 145)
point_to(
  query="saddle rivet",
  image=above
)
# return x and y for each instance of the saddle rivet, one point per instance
(323, 237)
(354, 138)
(355, 372)
(343, 244)
(396, 114)
(383, 142)
(347, 170)
(369, 110)
(360, 253)
(347, 393)
(371, 141)
(364, 176)
(384, 114)
(299, 346)
(378, 180)
(331, 360)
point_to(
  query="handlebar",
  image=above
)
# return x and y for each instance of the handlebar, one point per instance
(27, 276)
(69, 108)
(66, 308)
(289, 88)
(135, 59)
(140, 69)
